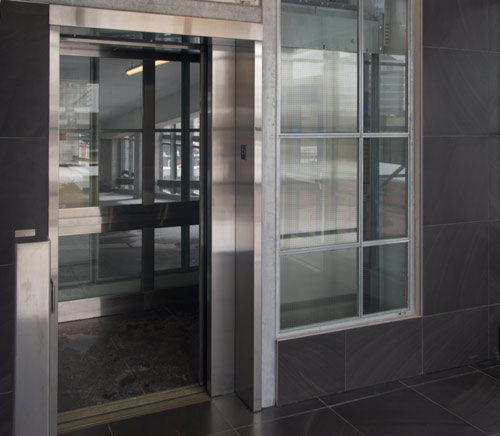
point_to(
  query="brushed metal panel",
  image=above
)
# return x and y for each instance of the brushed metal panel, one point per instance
(25, 233)
(248, 319)
(54, 66)
(31, 382)
(221, 219)
(257, 225)
(144, 22)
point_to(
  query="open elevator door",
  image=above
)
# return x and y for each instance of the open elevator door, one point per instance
(131, 173)
(229, 310)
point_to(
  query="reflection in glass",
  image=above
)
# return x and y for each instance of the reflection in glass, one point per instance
(76, 262)
(168, 95)
(385, 66)
(120, 254)
(194, 179)
(318, 192)
(99, 264)
(168, 166)
(194, 246)
(169, 136)
(168, 248)
(385, 278)
(100, 132)
(318, 287)
(319, 67)
(385, 188)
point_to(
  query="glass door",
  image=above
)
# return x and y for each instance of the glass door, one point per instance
(129, 231)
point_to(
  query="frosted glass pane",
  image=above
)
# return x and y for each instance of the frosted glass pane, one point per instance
(385, 65)
(385, 278)
(319, 67)
(318, 287)
(385, 188)
(318, 192)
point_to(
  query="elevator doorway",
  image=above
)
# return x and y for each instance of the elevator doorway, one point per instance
(131, 246)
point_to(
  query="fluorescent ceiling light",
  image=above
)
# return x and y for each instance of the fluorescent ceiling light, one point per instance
(138, 69)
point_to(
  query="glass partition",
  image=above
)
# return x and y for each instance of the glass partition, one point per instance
(385, 64)
(344, 161)
(319, 67)
(319, 192)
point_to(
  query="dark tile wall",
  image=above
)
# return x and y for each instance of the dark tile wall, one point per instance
(461, 181)
(460, 215)
(24, 104)
(318, 365)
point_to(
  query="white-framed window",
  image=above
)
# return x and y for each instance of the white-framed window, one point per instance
(345, 162)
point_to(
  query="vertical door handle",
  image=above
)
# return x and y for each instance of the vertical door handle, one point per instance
(52, 296)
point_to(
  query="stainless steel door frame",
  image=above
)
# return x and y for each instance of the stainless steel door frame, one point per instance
(155, 23)
(248, 290)
(32, 340)
(221, 178)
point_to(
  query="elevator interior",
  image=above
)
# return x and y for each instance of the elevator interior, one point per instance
(132, 150)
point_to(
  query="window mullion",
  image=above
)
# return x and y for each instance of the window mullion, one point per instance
(360, 154)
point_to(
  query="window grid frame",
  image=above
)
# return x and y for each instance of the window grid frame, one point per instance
(360, 318)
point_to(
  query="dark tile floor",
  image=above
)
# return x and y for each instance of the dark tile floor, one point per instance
(459, 402)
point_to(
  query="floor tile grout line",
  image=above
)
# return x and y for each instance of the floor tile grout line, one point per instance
(489, 375)
(345, 420)
(403, 386)
(322, 401)
(279, 418)
(224, 416)
(449, 411)
(473, 371)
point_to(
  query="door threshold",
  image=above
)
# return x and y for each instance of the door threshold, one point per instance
(130, 408)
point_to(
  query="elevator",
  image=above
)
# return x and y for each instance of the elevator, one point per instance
(132, 151)
(154, 215)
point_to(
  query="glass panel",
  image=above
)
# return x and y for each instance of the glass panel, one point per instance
(194, 175)
(168, 166)
(319, 192)
(168, 95)
(385, 66)
(120, 101)
(100, 138)
(385, 278)
(385, 188)
(168, 248)
(99, 264)
(194, 94)
(319, 67)
(194, 183)
(194, 253)
(120, 254)
(120, 171)
(318, 287)
(75, 260)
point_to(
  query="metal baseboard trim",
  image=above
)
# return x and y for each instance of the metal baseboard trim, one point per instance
(130, 408)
